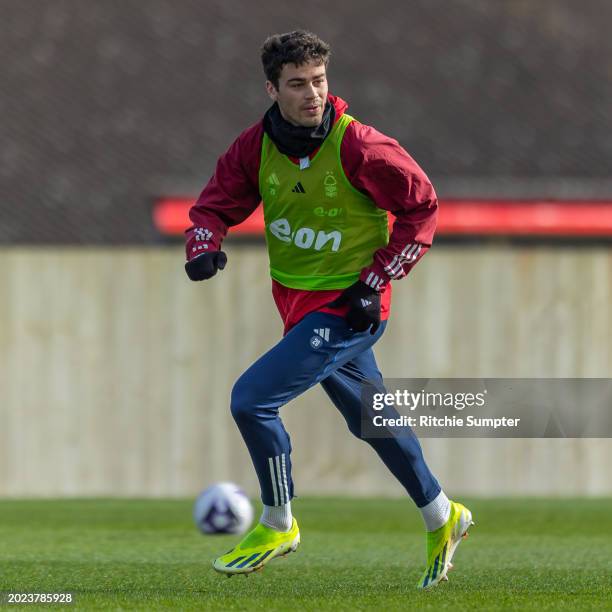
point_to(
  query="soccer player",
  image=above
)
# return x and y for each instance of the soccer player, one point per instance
(326, 182)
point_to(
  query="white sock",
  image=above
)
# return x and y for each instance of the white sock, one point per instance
(277, 517)
(436, 512)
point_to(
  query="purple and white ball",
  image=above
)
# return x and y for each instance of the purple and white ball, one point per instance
(223, 508)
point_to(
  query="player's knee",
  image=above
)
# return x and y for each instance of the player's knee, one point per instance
(241, 404)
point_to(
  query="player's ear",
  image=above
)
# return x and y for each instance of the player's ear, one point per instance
(272, 91)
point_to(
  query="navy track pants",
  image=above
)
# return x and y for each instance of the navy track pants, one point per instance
(319, 349)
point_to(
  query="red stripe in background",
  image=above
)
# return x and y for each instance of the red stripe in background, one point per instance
(457, 218)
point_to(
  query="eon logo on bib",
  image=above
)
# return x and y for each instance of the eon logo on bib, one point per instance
(305, 237)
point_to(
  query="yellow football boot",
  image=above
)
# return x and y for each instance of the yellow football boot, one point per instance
(442, 543)
(258, 548)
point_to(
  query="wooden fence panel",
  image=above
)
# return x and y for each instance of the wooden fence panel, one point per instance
(116, 371)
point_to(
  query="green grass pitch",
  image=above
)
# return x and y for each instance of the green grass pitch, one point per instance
(355, 554)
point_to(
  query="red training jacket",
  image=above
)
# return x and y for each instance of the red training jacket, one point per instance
(375, 164)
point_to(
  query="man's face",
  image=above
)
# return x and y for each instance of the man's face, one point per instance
(301, 94)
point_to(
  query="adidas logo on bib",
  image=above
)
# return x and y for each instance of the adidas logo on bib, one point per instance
(299, 188)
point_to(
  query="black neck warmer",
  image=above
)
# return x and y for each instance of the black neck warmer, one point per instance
(293, 140)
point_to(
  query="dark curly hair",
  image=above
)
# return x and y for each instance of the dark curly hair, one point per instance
(297, 47)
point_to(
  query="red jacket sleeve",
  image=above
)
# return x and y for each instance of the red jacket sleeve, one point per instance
(379, 167)
(230, 196)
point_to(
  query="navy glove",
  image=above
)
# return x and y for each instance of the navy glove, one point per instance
(364, 306)
(205, 266)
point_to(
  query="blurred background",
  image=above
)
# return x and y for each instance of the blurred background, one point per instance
(115, 370)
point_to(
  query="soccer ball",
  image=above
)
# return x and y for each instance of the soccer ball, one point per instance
(223, 508)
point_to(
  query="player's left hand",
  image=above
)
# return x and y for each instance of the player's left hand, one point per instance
(364, 307)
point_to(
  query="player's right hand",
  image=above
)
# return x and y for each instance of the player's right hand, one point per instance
(205, 265)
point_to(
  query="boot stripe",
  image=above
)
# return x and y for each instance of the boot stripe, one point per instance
(444, 554)
(426, 581)
(249, 559)
(262, 557)
(435, 568)
(235, 561)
